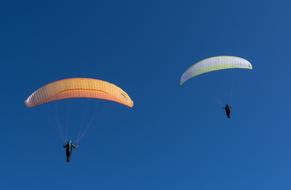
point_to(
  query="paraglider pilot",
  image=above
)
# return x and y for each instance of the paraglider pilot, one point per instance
(69, 146)
(227, 109)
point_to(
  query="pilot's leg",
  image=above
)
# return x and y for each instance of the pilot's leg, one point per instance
(68, 155)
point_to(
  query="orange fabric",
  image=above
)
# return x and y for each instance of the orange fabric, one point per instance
(78, 88)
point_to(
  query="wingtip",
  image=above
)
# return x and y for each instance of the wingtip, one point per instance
(26, 103)
(131, 104)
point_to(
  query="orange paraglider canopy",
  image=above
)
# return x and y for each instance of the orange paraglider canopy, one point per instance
(78, 88)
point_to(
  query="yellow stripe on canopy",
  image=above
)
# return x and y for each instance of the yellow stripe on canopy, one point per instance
(215, 64)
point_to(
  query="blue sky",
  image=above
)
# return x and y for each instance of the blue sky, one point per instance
(175, 137)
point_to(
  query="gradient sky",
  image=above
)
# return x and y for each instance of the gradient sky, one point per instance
(175, 138)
